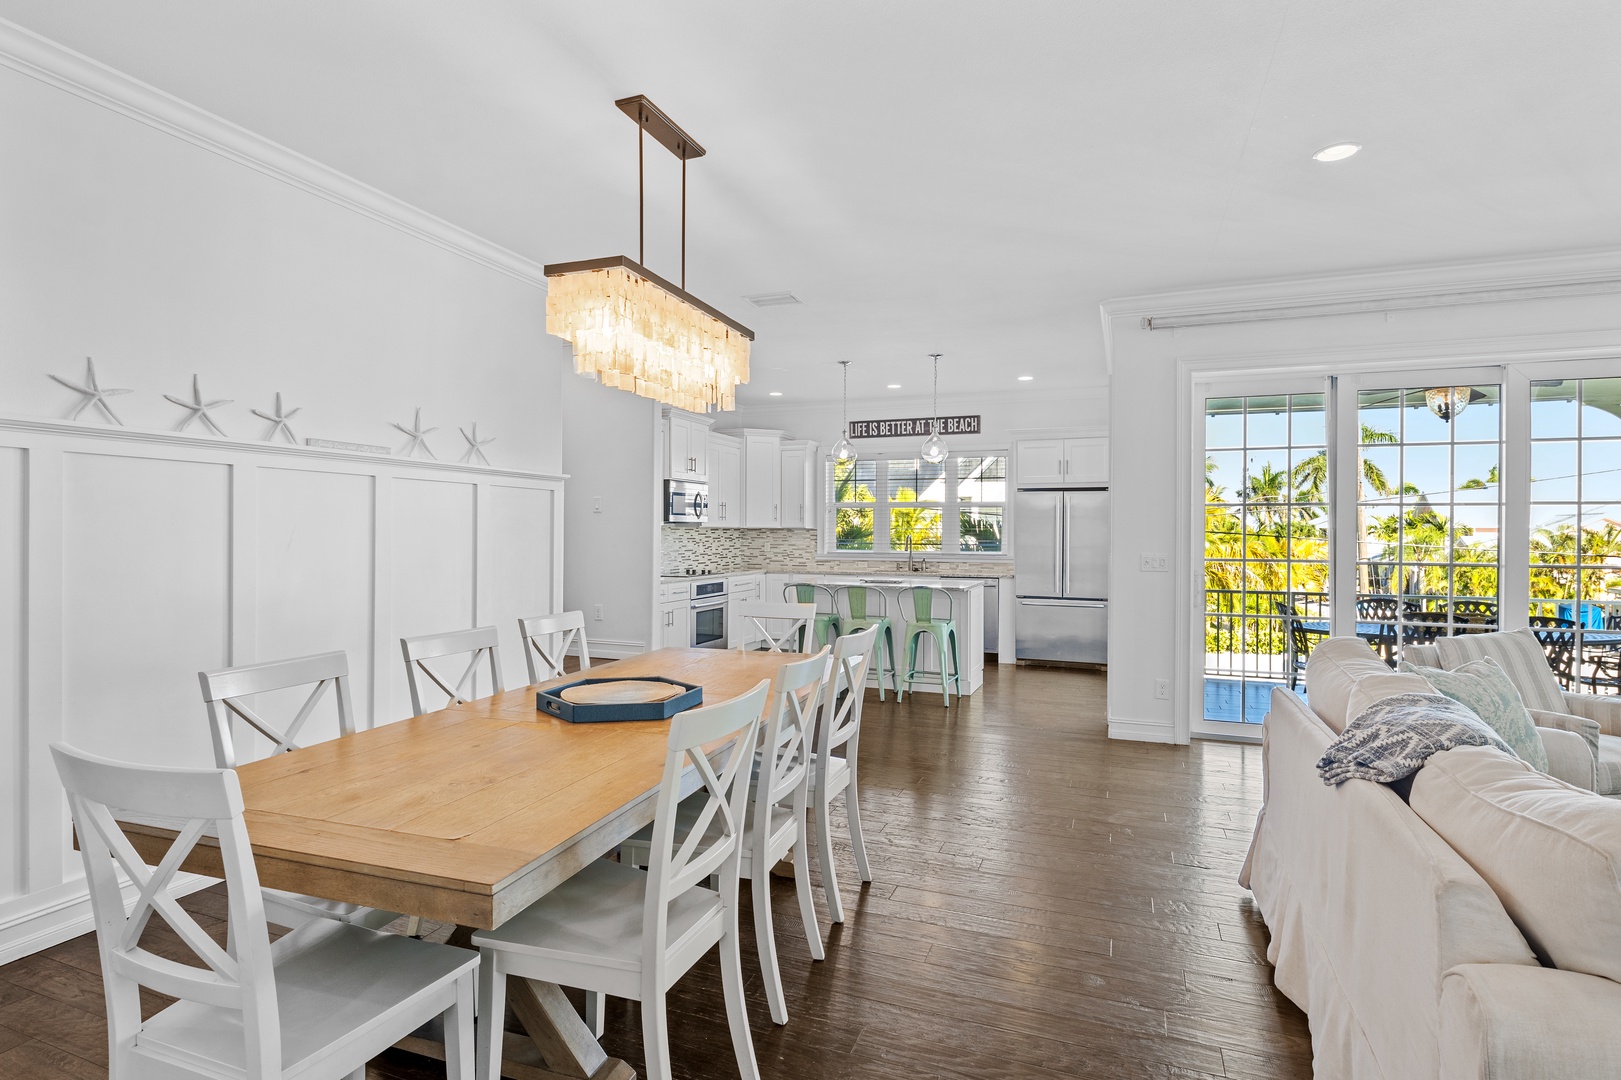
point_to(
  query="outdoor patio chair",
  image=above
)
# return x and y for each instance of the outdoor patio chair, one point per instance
(1297, 641)
(1558, 638)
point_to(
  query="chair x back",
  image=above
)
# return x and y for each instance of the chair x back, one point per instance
(841, 730)
(224, 693)
(797, 618)
(229, 1019)
(480, 642)
(545, 659)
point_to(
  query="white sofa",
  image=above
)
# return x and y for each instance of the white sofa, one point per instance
(1403, 956)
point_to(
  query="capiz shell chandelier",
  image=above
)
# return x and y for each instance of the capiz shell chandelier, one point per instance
(635, 331)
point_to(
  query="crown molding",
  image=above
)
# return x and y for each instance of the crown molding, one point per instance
(40, 58)
(77, 430)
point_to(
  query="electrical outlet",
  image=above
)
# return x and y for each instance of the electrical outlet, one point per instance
(596, 508)
(596, 613)
(1155, 562)
(1162, 689)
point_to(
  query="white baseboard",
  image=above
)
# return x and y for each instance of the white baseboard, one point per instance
(609, 649)
(1141, 730)
(49, 917)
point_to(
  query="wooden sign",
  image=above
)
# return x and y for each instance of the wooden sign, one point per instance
(914, 427)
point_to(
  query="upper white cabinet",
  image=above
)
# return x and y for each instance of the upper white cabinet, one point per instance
(686, 445)
(762, 478)
(798, 488)
(725, 482)
(1063, 461)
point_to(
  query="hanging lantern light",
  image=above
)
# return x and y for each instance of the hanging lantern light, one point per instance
(1448, 401)
(844, 451)
(934, 447)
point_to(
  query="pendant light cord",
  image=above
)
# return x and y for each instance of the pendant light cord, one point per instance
(845, 364)
(936, 426)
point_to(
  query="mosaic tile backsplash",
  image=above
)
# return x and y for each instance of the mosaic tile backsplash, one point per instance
(726, 551)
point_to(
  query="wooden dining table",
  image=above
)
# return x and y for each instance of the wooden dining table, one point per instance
(467, 816)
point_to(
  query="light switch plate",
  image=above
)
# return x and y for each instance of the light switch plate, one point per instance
(1155, 562)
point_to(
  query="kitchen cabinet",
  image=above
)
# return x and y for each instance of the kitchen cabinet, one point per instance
(686, 445)
(725, 482)
(675, 624)
(742, 589)
(1063, 461)
(762, 478)
(798, 486)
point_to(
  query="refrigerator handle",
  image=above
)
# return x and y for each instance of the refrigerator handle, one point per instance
(1060, 570)
(1064, 503)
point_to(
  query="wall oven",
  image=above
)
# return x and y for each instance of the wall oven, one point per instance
(709, 614)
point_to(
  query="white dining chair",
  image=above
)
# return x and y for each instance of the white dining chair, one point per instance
(833, 774)
(536, 633)
(317, 1005)
(778, 796)
(480, 642)
(784, 627)
(616, 930)
(226, 695)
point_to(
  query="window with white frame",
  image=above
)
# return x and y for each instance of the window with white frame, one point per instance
(956, 507)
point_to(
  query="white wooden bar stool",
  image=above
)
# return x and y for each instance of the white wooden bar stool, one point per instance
(226, 693)
(832, 774)
(789, 623)
(617, 930)
(545, 659)
(317, 1005)
(778, 795)
(481, 642)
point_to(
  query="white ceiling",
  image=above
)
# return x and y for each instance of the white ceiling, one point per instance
(964, 177)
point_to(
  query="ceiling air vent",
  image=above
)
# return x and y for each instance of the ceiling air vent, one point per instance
(773, 299)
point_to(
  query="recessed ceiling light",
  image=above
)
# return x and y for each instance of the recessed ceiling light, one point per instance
(1026, 378)
(776, 393)
(1336, 152)
(894, 386)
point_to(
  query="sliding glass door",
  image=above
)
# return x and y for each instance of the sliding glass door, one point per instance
(1265, 555)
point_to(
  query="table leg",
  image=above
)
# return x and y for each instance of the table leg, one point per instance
(559, 1045)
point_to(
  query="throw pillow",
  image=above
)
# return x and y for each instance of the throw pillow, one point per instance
(1519, 653)
(1483, 687)
(1392, 738)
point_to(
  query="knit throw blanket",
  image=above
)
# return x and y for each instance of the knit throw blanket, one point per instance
(1392, 738)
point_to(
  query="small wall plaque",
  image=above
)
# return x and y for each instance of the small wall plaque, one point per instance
(353, 447)
(913, 427)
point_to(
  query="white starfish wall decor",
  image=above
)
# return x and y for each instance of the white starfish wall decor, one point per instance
(475, 445)
(419, 437)
(197, 409)
(93, 393)
(278, 421)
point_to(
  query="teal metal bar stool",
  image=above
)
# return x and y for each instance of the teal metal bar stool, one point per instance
(944, 633)
(857, 612)
(828, 626)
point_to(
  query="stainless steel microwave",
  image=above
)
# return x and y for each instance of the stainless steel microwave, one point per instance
(685, 503)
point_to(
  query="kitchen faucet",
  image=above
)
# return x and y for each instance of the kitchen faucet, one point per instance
(921, 563)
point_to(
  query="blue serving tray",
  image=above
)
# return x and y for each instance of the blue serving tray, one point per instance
(548, 701)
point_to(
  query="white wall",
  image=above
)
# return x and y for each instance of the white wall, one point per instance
(161, 260)
(132, 559)
(612, 457)
(1152, 419)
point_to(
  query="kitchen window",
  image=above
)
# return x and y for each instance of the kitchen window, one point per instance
(957, 507)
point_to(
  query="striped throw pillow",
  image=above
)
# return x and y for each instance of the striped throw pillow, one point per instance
(1517, 652)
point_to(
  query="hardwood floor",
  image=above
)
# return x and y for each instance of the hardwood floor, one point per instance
(1046, 903)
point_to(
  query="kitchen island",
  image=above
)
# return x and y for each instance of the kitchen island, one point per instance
(967, 603)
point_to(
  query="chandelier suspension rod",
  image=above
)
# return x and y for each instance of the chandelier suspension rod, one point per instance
(641, 190)
(683, 215)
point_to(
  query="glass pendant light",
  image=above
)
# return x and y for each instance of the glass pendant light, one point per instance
(844, 451)
(934, 447)
(1448, 401)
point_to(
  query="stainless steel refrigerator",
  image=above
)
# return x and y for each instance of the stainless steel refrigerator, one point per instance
(1061, 574)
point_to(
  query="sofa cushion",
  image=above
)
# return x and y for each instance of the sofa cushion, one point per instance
(1609, 765)
(1519, 653)
(1376, 686)
(1551, 852)
(1484, 688)
(1334, 669)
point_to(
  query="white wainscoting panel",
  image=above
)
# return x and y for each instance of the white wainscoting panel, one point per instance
(314, 546)
(131, 560)
(13, 507)
(519, 521)
(431, 577)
